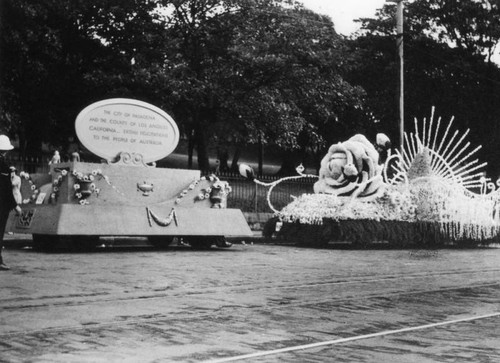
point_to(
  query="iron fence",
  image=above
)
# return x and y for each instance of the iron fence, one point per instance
(29, 164)
(251, 197)
(246, 195)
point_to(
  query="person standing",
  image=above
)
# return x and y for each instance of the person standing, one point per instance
(7, 201)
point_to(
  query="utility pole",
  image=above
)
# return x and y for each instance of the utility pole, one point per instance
(399, 29)
(399, 43)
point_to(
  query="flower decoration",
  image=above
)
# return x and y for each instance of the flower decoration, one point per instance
(206, 193)
(24, 175)
(34, 190)
(57, 182)
(84, 185)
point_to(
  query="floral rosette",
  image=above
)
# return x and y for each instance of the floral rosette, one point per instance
(85, 186)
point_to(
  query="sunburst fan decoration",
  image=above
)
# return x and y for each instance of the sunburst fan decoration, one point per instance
(442, 153)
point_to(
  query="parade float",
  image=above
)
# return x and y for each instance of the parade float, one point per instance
(433, 192)
(76, 203)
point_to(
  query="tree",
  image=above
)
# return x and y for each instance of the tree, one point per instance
(60, 55)
(283, 79)
(448, 48)
(265, 72)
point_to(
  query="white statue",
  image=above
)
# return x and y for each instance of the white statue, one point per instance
(16, 185)
(56, 159)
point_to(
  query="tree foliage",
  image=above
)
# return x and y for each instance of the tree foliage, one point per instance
(448, 47)
(240, 72)
(56, 55)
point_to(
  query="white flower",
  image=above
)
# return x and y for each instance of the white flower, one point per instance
(177, 201)
(201, 196)
(76, 186)
(83, 202)
(78, 195)
(55, 189)
(64, 172)
(191, 187)
(91, 177)
(33, 187)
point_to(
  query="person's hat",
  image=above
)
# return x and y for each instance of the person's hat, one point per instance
(12, 169)
(5, 144)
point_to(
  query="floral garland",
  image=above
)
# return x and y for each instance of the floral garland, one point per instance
(205, 193)
(85, 186)
(56, 184)
(35, 191)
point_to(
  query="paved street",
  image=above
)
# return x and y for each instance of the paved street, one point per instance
(255, 303)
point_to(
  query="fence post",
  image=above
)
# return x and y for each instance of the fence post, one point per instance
(255, 200)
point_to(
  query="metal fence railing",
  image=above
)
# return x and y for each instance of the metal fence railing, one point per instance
(246, 195)
(29, 164)
(251, 197)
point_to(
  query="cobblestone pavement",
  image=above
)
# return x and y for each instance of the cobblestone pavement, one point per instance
(181, 305)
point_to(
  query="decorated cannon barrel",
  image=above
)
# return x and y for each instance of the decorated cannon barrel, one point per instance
(431, 193)
(127, 195)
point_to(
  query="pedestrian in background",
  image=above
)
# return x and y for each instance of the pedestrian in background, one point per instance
(7, 201)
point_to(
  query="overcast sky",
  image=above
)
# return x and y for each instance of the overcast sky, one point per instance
(343, 12)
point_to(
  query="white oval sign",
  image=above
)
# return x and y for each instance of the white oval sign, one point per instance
(117, 125)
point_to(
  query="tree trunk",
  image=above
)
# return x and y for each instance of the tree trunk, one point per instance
(190, 149)
(202, 148)
(291, 160)
(223, 157)
(236, 158)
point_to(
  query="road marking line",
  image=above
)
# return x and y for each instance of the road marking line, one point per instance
(350, 339)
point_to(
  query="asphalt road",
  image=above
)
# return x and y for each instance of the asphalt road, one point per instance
(251, 303)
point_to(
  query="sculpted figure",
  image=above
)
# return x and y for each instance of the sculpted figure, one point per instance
(351, 168)
(16, 185)
(56, 158)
